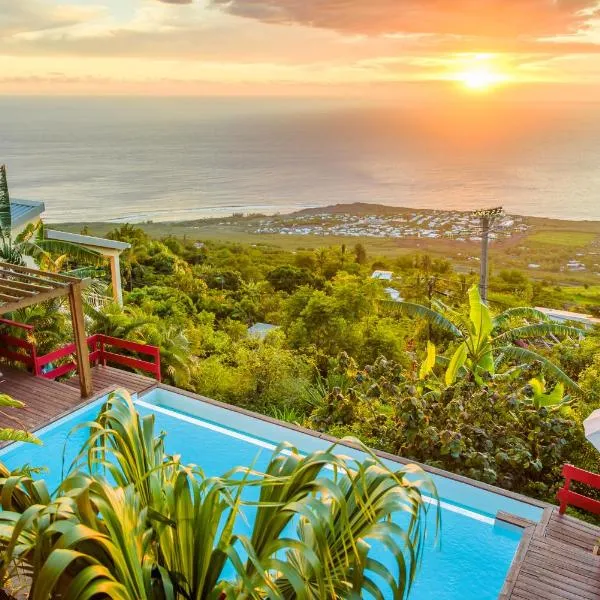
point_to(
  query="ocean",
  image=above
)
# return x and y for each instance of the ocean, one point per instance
(164, 159)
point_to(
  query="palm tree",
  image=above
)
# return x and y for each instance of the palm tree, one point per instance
(484, 342)
(176, 358)
(51, 325)
(32, 242)
(131, 522)
(125, 323)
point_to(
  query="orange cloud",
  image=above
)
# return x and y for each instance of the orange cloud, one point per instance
(487, 18)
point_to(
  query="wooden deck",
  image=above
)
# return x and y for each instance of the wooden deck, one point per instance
(555, 561)
(46, 400)
(106, 378)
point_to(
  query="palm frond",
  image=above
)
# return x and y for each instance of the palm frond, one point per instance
(528, 356)
(75, 252)
(155, 528)
(422, 312)
(519, 312)
(536, 331)
(17, 435)
(7, 401)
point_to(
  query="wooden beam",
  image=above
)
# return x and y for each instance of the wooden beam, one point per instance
(57, 277)
(82, 351)
(30, 279)
(8, 298)
(21, 285)
(11, 306)
(15, 292)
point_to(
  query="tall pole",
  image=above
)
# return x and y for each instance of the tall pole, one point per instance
(487, 218)
(484, 268)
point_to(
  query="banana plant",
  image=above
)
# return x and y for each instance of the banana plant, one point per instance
(134, 523)
(552, 400)
(485, 341)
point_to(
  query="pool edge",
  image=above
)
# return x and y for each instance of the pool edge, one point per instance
(380, 453)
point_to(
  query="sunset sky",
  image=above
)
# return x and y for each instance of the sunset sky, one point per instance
(294, 46)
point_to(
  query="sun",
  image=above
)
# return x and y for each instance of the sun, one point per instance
(480, 79)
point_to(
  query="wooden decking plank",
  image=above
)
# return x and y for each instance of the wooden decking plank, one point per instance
(537, 562)
(562, 552)
(109, 377)
(556, 563)
(585, 541)
(517, 563)
(570, 564)
(46, 400)
(554, 560)
(560, 576)
(570, 525)
(558, 589)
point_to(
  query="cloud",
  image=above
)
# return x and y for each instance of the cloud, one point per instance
(34, 15)
(176, 1)
(488, 18)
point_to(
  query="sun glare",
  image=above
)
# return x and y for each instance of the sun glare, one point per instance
(481, 79)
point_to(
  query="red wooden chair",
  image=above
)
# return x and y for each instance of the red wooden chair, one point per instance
(568, 497)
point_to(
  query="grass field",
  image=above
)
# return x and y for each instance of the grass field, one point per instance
(582, 295)
(571, 239)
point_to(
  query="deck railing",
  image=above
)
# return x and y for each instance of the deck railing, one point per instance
(102, 351)
(100, 354)
(568, 497)
(17, 349)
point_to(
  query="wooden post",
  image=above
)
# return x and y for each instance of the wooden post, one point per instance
(115, 272)
(82, 353)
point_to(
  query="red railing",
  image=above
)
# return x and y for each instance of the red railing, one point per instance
(568, 497)
(101, 352)
(103, 356)
(17, 349)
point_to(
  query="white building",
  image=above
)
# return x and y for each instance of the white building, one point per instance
(261, 330)
(564, 316)
(29, 212)
(383, 275)
(394, 294)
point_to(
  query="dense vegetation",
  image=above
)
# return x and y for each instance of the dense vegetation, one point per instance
(498, 395)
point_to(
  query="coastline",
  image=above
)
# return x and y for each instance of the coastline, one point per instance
(254, 211)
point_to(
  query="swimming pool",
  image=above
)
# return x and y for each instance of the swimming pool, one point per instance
(475, 552)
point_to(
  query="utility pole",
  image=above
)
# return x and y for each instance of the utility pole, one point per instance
(487, 218)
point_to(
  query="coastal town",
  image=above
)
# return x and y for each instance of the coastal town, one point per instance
(458, 226)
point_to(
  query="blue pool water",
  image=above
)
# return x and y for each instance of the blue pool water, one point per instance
(470, 561)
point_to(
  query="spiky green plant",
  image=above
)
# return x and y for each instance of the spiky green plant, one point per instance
(131, 522)
(484, 340)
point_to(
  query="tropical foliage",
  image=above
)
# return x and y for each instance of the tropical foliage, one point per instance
(130, 521)
(478, 377)
(484, 341)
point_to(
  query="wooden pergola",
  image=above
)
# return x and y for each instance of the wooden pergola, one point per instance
(21, 287)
